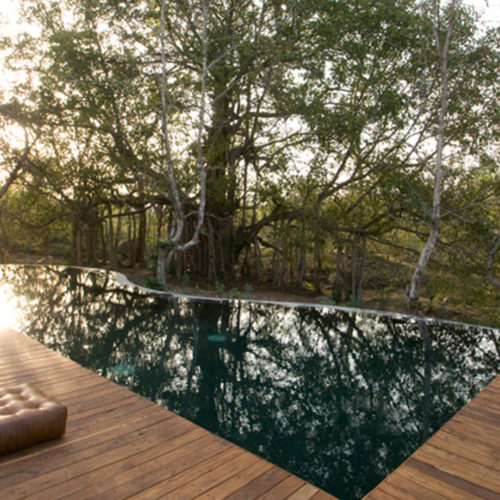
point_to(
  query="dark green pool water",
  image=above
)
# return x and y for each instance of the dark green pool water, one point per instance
(337, 398)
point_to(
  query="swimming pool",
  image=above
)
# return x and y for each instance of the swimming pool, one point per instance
(338, 398)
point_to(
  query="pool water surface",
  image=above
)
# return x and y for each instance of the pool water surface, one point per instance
(338, 398)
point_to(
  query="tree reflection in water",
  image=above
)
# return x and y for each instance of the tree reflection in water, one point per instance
(338, 399)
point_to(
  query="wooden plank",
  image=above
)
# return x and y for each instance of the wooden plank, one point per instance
(44, 369)
(105, 404)
(463, 431)
(156, 485)
(260, 485)
(488, 399)
(237, 481)
(469, 489)
(413, 487)
(305, 492)
(86, 400)
(284, 489)
(81, 433)
(54, 373)
(205, 482)
(468, 448)
(486, 415)
(421, 485)
(458, 466)
(388, 491)
(481, 429)
(322, 495)
(495, 384)
(74, 390)
(165, 460)
(107, 419)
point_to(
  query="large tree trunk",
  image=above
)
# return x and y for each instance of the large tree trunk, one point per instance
(358, 263)
(76, 243)
(301, 266)
(161, 265)
(92, 226)
(257, 260)
(113, 261)
(221, 185)
(340, 287)
(140, 247)
(317, 267)
(493, 250)
(217, 251)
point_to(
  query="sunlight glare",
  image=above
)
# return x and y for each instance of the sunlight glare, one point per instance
(9, 309)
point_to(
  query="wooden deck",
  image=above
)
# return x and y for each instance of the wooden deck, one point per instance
(461, 461)
(120, 445)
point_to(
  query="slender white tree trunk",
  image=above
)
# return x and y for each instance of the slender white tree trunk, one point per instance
(170, 174)
(435, 226)
(166, 253)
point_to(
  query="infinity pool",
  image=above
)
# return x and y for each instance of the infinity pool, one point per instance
(338, 398)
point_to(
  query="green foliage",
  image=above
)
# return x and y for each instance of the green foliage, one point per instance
(247, 289)
(33, 224)
(336, 296)
(356, 303)
(152, 282)
(384, 300)
(186, 279)
(219, 288)
(167, 243)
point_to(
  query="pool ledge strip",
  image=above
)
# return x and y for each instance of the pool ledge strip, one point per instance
(123, 280)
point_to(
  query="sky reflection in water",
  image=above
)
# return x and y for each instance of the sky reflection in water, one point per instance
(338, 399)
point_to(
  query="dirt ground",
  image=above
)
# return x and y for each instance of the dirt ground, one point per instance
(235, 291)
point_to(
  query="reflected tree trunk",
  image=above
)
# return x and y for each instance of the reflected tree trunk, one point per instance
(427, 401)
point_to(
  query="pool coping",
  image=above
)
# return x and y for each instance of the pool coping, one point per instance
(123, 280)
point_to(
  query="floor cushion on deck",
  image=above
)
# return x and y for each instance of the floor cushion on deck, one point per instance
(28, 417)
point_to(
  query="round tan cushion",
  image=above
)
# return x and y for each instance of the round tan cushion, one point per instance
(28, 417)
